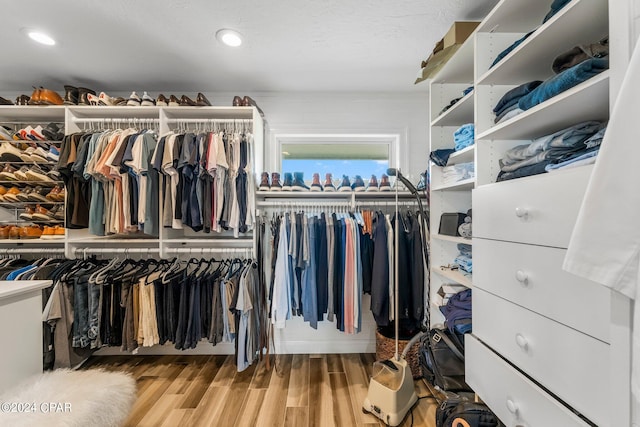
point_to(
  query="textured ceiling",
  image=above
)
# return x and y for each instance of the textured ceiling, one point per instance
(290, 45)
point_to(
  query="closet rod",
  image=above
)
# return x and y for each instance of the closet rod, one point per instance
(230, 121)
(78, 251)
(294, 203)
(9, 251)
(389, 203)
(115, 120)
(208, 250)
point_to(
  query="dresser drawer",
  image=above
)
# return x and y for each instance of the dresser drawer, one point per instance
(516, 400)
(565, 361)
(540, 210)
(532, 276)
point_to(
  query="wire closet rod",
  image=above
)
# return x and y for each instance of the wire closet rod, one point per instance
(400, 203)
(9, 251)
(230, 121)
(304, 203)
(115, 120)
(208, 250)
(116, 250)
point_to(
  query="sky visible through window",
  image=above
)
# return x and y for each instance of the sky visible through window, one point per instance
(337, 167)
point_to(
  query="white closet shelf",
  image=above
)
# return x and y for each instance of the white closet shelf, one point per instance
(465, 184)
(587, 101)
(459, 69)
(532, 59)
(454, 275)
(459, 114)
(36, 242)
(512, 16)
(205, 113)
(109, 240)
(106, 112)
(466, 155)
(27, 112)
(455, 239)
(331, 195)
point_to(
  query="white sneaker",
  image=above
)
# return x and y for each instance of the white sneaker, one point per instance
(134, 100)
(147, 101)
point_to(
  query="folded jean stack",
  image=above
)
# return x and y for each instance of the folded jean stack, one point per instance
(574, 146)
(463, 260)
(464, 136)
(457, 312)
(454, 173)
(455, 100)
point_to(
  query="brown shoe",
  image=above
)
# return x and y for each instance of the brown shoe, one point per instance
(373, 184)
(328, 183)
(8, 173)
(30, 232)
(202, 100)
(14, 232)
(35, 96)
(315, 184)
(58, 231)
(185, 101)
(3, 191)
(247, 101)
(53, 194)
(264, 182)
(41, 214)
(275, 182)
(50, 97)
(48, 233)
(384, 183)
(12, 195)
(24, 195)
(4, 232)
(27, 215)
(237, 101)
(173, 101)
(162, 101)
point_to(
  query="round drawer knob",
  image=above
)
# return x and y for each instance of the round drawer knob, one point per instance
(512, 407)
(522, 342)
(522, 212)
(522, 277)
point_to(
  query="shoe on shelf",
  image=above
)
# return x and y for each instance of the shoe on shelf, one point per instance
(83, 99)
(161, 101)
(93, 99)
(5, 134)
(185, 101)
(21, 174)
(23, 100)
(373, 184)
(174, 101)
(237, 101)
(27, 215)
(25, 132)
(53, 154)
(70, 95)
(328, 183)
(264, 182)
(48, 233)
(275, 182)
(298, 182)
(54, 194)
(384, 183)
(58, 232)
(30, 232)
(202, 101)
(358, 184)
(4, 232)
(288, 182)
(105, 100)
(3, 191)
(11, 153)
(37, 133)
(41, 213)
(11, 196)
(37, 174)
(4, 101)
(315, 184)
(345, 185)
(8, 173)
(50, 97)
(120, 101)
(35, 96)
(53, 132)
(56, 213)
(39, 194)
(147, 100)
(25, 194)
(134, 100)
(37, 155)
(54, 175)
(247, 101)
(14, 232)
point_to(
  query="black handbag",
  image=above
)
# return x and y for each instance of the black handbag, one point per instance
(457, 412)
(442, 360)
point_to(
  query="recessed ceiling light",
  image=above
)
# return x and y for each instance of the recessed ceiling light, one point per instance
(41, 37)
(229, 37)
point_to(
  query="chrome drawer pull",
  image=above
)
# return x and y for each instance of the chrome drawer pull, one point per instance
(522, 342)
(522, 212)
(522, 277)
(512, 407)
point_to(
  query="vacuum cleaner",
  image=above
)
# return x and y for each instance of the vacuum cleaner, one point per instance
(391, 392)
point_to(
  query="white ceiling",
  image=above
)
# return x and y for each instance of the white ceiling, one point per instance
(169, 45)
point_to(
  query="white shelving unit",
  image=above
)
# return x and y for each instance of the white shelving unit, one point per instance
(515, 219)
(450, 83)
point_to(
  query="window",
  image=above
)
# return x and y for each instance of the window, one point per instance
(350, 155)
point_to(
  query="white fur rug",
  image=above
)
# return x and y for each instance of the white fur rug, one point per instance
(66, 398)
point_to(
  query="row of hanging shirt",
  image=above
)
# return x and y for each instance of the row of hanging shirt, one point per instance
(114, 179)
(131, 304)
(322, 263)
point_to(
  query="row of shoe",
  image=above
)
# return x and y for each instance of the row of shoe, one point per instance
(40, 213)
(51, 132)
(32, 194)
(31, 232)
(295, 182)
(9, 152)
(34, 173)
(146, 100)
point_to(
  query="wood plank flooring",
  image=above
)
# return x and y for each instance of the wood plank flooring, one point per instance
(302, 390)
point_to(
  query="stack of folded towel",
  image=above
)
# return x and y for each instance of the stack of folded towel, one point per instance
(555, 151)
(464, 136)
(454, 173)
